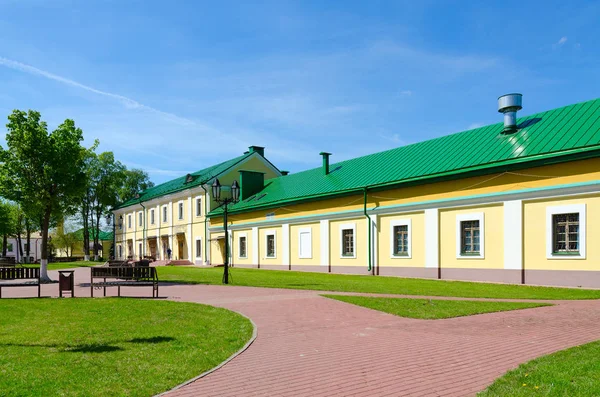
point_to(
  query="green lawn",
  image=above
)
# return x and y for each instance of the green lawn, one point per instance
(431, 309)
(111, 347)
(371, 284)
(68, 265)
(568, 373)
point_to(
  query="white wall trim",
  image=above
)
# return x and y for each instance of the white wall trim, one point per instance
(513, 234)
(324, 235)
(285, 244)
(196, 248)
(273, 233)
(196, 207)
(432, 238)
(566, 209)
(375, 240)
(255, 246)
(301, 231)
(240, 235)
(474, 216)
(348, 226)
(401, 222)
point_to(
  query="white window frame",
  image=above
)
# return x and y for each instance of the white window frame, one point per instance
(267, 234)
(565, 209)
(128, 221)
(401, 222)
(348, 226)
(196, 248)
(120, 250)
(180, 210)
(301, 231)
(475, 216)
(165, 211)
(198, 198)
(10, 247)
(141, 248)
(239, 236)
(152, 217)
(140, 219)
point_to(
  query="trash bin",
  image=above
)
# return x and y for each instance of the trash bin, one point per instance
(66, 282)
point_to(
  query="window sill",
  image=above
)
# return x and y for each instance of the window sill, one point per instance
(470, 256)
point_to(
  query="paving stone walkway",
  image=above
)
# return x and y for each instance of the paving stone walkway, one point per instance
(308, 345)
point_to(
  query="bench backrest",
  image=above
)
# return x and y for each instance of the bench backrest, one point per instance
(19, 273)
(125, 272)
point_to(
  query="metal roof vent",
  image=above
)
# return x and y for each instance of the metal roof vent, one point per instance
(509, 104)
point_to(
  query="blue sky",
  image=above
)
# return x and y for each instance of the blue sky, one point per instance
(173, 87)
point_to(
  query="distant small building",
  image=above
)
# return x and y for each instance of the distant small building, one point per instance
(105, 242)
(35, 252)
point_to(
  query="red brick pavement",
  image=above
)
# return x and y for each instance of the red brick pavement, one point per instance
(308, 345)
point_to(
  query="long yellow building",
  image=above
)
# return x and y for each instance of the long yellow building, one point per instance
(515, 202)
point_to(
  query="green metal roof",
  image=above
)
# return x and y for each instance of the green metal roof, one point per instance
(103, 236)
(545, 137)
(179, 184)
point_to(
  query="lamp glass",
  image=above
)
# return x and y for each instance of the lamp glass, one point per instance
(235, 191)
(216, 190)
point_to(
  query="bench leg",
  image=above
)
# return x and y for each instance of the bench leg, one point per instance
(39, 291)
(0, 292)
(92, 289)
(119, 289)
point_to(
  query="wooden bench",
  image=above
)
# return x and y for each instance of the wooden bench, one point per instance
(124, 276)
(19, 277)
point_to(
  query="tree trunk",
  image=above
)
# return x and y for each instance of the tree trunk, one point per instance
(86, 231)
(19, 248)
(97, 236)
(4, 244)
(28, 250)
(44, 257)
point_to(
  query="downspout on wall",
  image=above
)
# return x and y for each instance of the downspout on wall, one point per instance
(206, 242)
(370, 226)
(144, 242)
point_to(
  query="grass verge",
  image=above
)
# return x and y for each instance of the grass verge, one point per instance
(369, 284)
(571, 372)
(431, 309)
(68, 265)
(110, 347)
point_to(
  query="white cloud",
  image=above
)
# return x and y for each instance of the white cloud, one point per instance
(406, 93)
(562, 40)
(472, 126)
(125, 101)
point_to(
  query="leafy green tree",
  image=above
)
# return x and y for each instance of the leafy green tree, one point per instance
(7, 223)
(106, 177)
(42, 171)
(135, 180)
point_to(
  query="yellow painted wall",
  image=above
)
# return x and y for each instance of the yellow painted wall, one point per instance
(416, 241)
(493, 238)
(360, 244)
(315, 229)
(534, 227)
(262, 244)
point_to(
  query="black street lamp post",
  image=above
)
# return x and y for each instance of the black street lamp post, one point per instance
(225, 201)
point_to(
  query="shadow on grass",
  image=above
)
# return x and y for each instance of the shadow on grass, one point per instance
(154, 339)
(93, 348)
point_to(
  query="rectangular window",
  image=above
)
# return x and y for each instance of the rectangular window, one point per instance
(141, 218)
(129, 221)
(120, 251)
(242, 247)
(270, 245)
(305, 243)
(165, 218)
(565, 233)
(348, 242)
(140, 251)
(401, 240)
(25, 247)
(180, 211)
(198, 207)
(470, 242)
(198, 248)
(9, 247)
(152, 217)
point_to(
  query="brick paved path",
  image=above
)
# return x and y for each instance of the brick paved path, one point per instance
(308, 345)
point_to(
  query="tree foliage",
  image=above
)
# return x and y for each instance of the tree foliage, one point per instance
(134, 182)
(42, 171)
